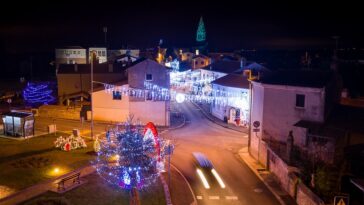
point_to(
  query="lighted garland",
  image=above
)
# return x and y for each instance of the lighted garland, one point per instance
(39, 93)
(128, 159)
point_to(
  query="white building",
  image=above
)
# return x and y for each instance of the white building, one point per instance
(145, 106)
(231, 99)
(71, 55)
(101, 54)
(284, 98)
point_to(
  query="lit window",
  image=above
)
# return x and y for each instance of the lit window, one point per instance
(116, 95)
(300, 100)
(148, 77)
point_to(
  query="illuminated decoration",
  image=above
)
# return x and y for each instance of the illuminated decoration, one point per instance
(201, 33)
(173, 64)
(39, 94)
(180, 98)
(129, 156)
(70, 143)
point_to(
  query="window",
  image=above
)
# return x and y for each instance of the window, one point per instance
(202, 63)
(74, 52)
(196, 62)
(300, 100)
(148, 77)
(78, 52)
(98, 53)
(116, 95)
(103, 53)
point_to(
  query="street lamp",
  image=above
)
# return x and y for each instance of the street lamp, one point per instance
(250, 79)
(92, 91)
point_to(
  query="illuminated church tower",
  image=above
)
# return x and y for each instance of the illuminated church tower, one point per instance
(201, 37)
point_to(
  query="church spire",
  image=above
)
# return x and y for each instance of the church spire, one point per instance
(201, 32)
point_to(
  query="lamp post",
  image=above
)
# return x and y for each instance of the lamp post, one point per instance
(92, 91)
(250, 79)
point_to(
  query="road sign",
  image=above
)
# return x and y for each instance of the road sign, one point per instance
(256, 124)
(256, 130)
(341, 200)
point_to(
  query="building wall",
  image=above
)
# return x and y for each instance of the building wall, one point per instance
(76, 82)
(107, 109)
(137, 74)
(275, 108)
(71, 56)
(222, 105)
(101, 54)
(200, 62)
(151, 111)
(187, 56)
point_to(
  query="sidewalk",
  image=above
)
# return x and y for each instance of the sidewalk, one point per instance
(205, 109)
(266, 177)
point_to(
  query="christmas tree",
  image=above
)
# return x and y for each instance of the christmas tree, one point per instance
(128, 159)
(201, 33)
(36, 94)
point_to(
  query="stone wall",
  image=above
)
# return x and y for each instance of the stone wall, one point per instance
(290, 182)
(59, 111)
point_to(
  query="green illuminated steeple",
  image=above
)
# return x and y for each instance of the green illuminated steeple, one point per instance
(201, 32)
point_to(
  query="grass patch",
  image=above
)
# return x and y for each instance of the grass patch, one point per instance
(25, 163)
(97, 191)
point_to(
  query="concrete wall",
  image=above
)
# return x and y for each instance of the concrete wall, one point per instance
(290, 182)
(274, 106)
(77, 82)
(107, 109)
(306, 197)
(257, 106)
(151, 111)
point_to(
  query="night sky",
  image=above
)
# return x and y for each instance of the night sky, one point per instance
(35, 27)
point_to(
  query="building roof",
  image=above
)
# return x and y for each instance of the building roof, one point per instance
(312, 79)
(98, 68)
(224, 66)
(17, 114)
(199, 56)
(232, 80)
(100, 86)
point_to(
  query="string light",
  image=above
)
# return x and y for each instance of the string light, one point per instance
(39, 93)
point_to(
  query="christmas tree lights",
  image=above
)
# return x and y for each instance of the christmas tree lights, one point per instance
(39, 94)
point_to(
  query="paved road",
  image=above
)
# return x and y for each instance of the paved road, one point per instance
(220, 145)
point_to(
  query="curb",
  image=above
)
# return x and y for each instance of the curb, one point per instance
(212, 120)
(277, 196)
(189, 186)
(167, 194)
(179, 126)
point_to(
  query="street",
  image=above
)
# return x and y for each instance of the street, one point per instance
(220, 145)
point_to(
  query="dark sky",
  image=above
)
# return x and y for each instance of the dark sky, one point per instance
(38, 26)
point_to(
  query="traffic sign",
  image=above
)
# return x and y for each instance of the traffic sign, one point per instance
(256, 130)
(341, 200)
(256, 124)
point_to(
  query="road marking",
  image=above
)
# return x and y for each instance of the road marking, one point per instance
(258, 190)
(199, 197)
(214, 197)
(231, 197)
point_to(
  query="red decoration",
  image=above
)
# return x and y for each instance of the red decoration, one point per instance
(154, 131)
(67, 147)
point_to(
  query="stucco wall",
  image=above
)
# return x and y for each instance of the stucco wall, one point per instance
(137, 74)
(73, 82)
(107, 109)
(151, 111)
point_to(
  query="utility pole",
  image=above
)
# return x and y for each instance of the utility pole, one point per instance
(105, 35)
(92, 92)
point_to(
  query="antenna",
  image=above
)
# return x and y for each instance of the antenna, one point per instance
(105, 33)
